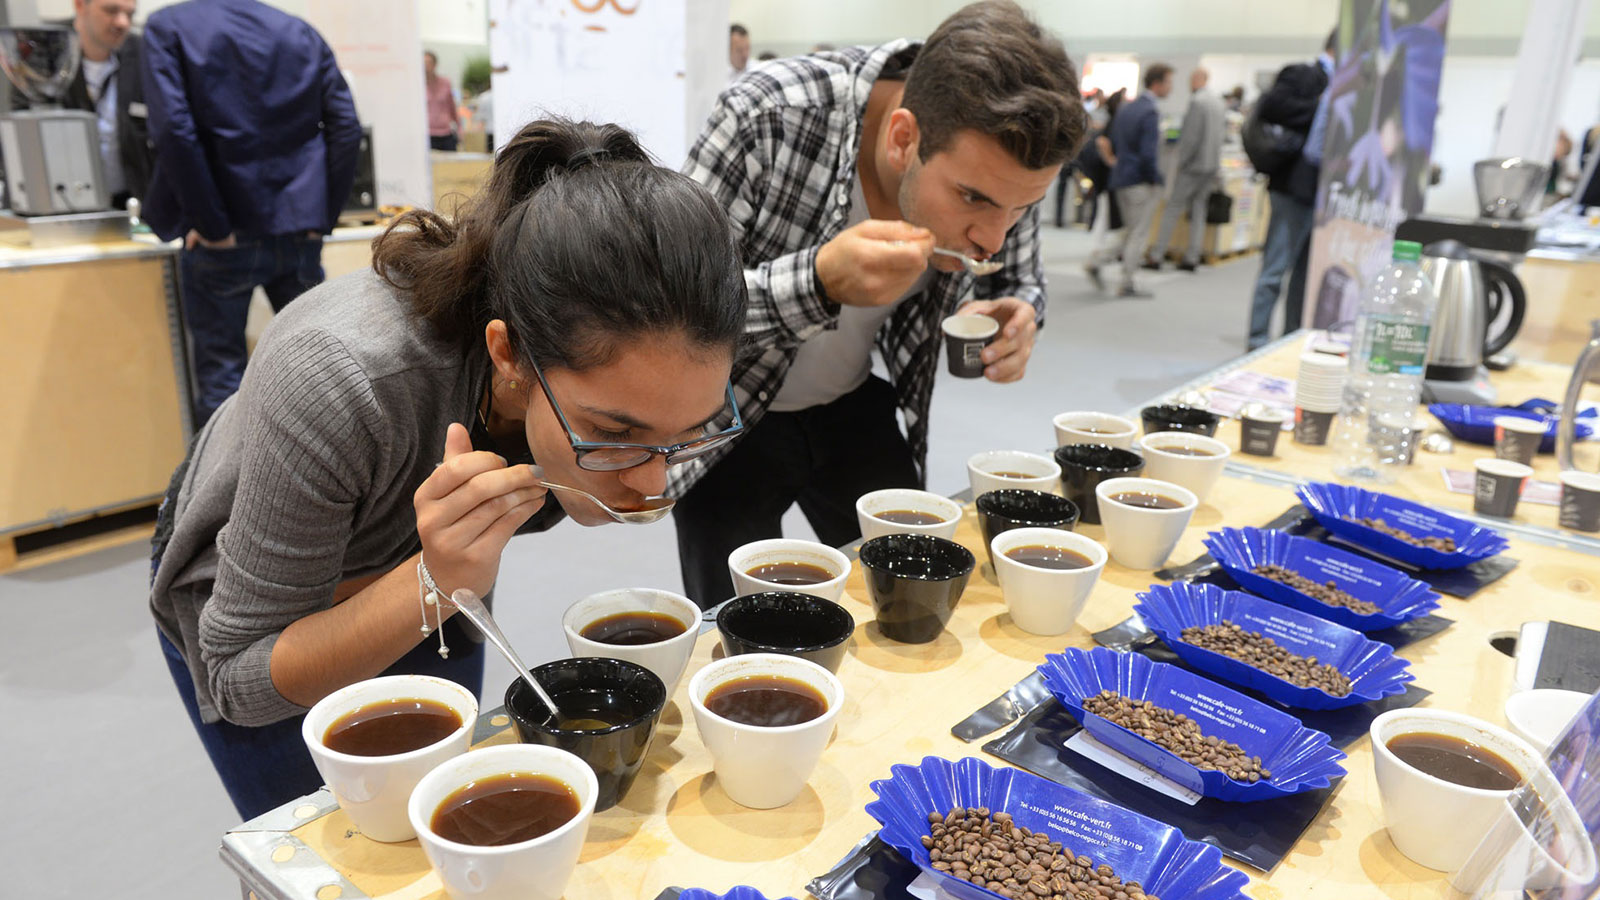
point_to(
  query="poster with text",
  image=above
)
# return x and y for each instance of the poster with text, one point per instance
(1382, 102)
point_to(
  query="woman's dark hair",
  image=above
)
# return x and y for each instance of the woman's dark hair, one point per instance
(578, 242)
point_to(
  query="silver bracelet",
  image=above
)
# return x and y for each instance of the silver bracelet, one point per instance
(428, 594)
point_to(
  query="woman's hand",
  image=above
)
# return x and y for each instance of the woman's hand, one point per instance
(467, 510)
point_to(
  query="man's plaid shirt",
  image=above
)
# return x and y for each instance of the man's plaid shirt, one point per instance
(779, 152)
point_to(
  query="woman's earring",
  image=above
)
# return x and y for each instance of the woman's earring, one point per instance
(513, 385)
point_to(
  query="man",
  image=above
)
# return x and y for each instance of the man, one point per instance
(109, 84)
(1135, 181)
(841, 172)
(256, 139)
(1199, 161)
(444, 117)
(738, 51)
(1298, 102)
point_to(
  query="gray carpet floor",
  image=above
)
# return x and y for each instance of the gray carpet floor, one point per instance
(109, 793)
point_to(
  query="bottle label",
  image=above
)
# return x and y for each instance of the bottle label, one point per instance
(1397, 347)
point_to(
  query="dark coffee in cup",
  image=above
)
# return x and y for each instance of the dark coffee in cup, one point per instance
(790, 573)
(1455, 760)
(1014, 475)
(1171, 417)
(915, 581)
(786, 622)
(389, 727)
(505, 809)
(1147, 500)
(1184, 451)
(908, 517)
(1044, 556)
(633, 628)
(766, 701)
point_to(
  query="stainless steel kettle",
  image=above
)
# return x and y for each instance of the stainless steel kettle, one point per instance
(1473, 292)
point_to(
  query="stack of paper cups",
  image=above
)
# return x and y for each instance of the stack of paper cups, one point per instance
(1319, 389)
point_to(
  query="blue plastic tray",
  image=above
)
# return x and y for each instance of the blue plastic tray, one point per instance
(1330, 503)
(1299, 758)
(1373, 669)
(1475, 424)
(1164, 862)
(742, 892)
(1398, 596)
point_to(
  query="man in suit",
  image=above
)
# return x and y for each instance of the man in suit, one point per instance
(1135, 180)
(109, 84)
(1199, 160)
(256, 143)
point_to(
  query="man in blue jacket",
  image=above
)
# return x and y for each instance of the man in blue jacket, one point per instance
(1135, 179)
(256, 142)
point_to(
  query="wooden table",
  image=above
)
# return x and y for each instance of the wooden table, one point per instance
(677, 828)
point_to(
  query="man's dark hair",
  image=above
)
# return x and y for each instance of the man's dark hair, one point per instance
(431, 55)
(991, 69)
(1331, 45)
(737, 29)
(1156, 74)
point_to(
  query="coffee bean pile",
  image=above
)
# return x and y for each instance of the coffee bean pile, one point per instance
(1178, 733)
(1255, 649)
(1442, 544)
(1322, 593)
(992, 852)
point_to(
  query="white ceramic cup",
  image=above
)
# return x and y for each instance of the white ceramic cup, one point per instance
(1115, 431)
(667, 659)
(529, 870)
(1436, 823)
(892, 499)
(1042, 473)
(1197, 473)
(764, 768)
(1540, 716)
(374, 789)
(1142, 538)
(780, 550)
(1045, 601)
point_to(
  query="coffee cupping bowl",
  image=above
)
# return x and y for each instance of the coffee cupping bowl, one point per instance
(915, 582)
(1171, 417)
(789, 623)
(1084, 466)
(1002, 511)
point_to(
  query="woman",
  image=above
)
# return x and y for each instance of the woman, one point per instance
(582, 312)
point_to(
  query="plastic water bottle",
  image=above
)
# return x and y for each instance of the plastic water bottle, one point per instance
(1388, 353)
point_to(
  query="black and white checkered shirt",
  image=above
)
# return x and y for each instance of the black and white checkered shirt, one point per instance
(779, 152)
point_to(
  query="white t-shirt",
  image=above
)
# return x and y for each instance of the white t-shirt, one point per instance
(836, 362)
(101, 80)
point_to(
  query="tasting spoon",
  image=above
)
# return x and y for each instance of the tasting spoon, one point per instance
(653, 510)
(975, 266)
(470, 606)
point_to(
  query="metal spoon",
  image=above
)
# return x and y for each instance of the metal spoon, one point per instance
(470, 606)
(653, 510)
(975, 266)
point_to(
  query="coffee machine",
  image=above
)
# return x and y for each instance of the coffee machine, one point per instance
(1472, 263)
(55, 182)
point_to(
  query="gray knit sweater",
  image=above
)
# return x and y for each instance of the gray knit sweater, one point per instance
(304, 479)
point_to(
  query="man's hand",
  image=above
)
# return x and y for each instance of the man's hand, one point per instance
(874, 262)
(193, 237)
(1006, 359)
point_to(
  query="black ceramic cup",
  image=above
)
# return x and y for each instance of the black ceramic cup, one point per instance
(915, 581)
(610, 690)
(789, 623)
(1169, 417)
(1001, 511)
(1084, 466)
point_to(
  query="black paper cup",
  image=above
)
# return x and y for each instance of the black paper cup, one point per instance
(612, 689)
(1084, 466)
(1312, 428)
(915, 581)
(789, 623)
(1580, 501)
(1517, 439)
(964, 340)
(1170, 417)
(1259, 428)
(1001, 511)
(1499, 486)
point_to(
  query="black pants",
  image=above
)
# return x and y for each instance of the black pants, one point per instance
(447, 142)
(822, 458)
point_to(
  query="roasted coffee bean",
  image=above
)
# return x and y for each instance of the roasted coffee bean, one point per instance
(1255, 649)
(1442, 544)
(1177, 733)
(1015, 862)
(1322, 593)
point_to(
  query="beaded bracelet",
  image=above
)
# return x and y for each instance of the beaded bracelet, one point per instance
(428, 594)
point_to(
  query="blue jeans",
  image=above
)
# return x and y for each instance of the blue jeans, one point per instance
(217, 285)
(266, 766)
(1288, 246)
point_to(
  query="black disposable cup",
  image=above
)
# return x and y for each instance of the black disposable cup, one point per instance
(915, 581)
(1170, 417)
(612, 688)
(1580, 505)
(1498, 486)
(1001, 511)
(1259, 437)
(1312, 428)
(786, 622)
(1084, 466)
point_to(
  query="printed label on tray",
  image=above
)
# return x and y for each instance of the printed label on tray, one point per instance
(1231, 718)
(1085, 745)
(1346, 572)
(1415, 521)
(1296, 636)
